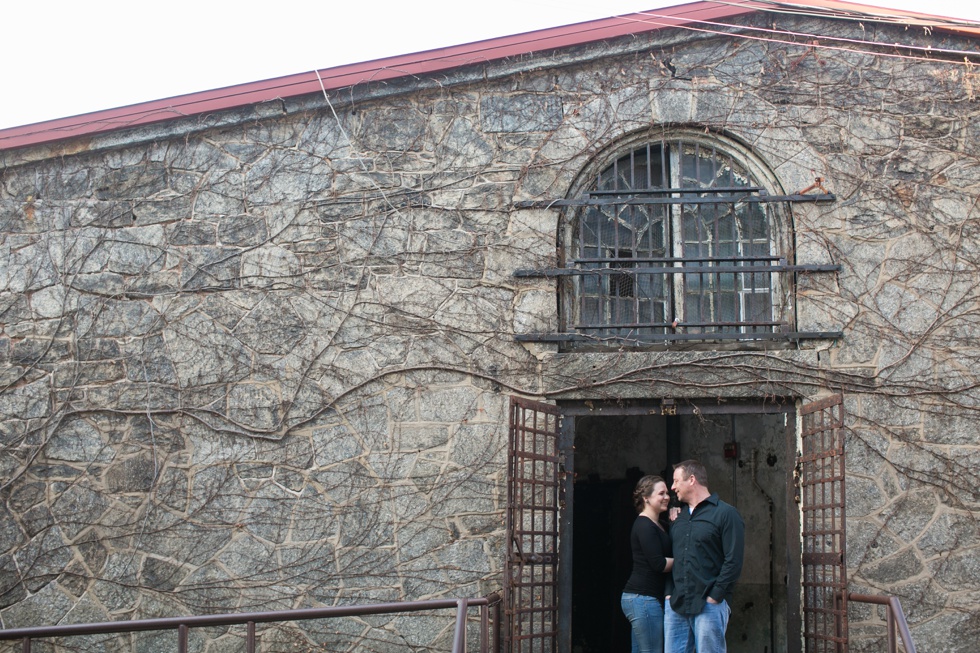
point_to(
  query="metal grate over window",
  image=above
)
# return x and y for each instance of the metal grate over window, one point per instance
(674, 240)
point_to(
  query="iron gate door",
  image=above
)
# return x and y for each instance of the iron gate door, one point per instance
(530, 574)
(822, 498)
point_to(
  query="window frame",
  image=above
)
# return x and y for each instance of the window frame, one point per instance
(675, 312)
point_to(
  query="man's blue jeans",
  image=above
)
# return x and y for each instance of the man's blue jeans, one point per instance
(703, 632)
(646, 617)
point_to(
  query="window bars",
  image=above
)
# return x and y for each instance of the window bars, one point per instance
(676, 240)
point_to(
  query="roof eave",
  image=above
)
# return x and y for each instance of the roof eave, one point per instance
(439, 60)
(322, 81)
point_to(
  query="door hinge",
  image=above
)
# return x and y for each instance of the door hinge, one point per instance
(797, 476)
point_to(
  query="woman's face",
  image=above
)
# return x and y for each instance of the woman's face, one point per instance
(659, 499)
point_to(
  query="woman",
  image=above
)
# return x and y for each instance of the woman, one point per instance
(643, 596)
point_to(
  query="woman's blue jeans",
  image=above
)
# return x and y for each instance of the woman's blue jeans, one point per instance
(646, 616)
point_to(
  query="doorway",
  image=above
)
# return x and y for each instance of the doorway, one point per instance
(749, 452)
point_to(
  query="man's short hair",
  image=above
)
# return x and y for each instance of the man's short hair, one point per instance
(695, 469)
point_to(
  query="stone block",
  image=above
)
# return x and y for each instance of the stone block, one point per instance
(192, 543)
(464, 492)
(255, 406)
(191, 233)
(364, 525)
(12, 588)
(420, 437)
(250, 559)
(965, 625)
(78, 507)
(92, 551)
(335, 443)
(346, 482)
(959, 570)
(893, 569)
(27, 268)
(28, 401)
(419, 538)
(427, 473)
(87, 611)
(243, 230)
(160, 211)
(536, 311)
(210, 267)
(53, 301)
(43, 558)
(171, 491)
(424, 632)
(310, 521)
(209, 587)
(135, 258)
(452, 405)
(11, 534)
(522, 112)
(131, 181)
(868, 541)
(48, 605)
(463, 144)
(909, 515)
(270, 266)
(475, 446)
(78, 441)
(949, 532)
(272, 326)
(24, 496)
(864, 496)
(136, 473)
(393, 129)
(203, 353)
(111, 318)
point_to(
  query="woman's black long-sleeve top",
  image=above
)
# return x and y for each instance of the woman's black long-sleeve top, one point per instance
(651, 548)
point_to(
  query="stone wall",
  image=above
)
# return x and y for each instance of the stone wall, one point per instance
(265, 365)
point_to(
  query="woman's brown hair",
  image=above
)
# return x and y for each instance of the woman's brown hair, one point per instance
(644, 488)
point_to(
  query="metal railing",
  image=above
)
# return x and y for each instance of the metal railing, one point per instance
(489, 628)
(894, 617)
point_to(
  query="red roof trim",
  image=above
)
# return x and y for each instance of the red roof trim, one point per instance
(421, 63)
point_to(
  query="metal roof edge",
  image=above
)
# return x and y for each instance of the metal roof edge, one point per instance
(432, 61)
(323, 80)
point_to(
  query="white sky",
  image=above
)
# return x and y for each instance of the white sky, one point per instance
(66, 57)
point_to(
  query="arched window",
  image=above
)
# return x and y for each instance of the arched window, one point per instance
(671, 230)
(683, 237)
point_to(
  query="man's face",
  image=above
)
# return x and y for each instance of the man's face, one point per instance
(682, 484)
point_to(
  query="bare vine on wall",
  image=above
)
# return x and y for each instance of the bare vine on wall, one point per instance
(266, 367)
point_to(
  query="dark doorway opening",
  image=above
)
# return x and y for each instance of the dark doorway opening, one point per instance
(749, 456)
(602, 565)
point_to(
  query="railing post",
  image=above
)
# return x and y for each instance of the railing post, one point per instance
(250, 637)
(27, 645)
(459, 641)
(890, 620)
(182, 638)
(841, 645)
(484, 628)
(498, 625)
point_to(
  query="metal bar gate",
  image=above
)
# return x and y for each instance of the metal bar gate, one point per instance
(530, 574)
(824, 534)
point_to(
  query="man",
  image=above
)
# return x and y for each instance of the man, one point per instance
(708, 539)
